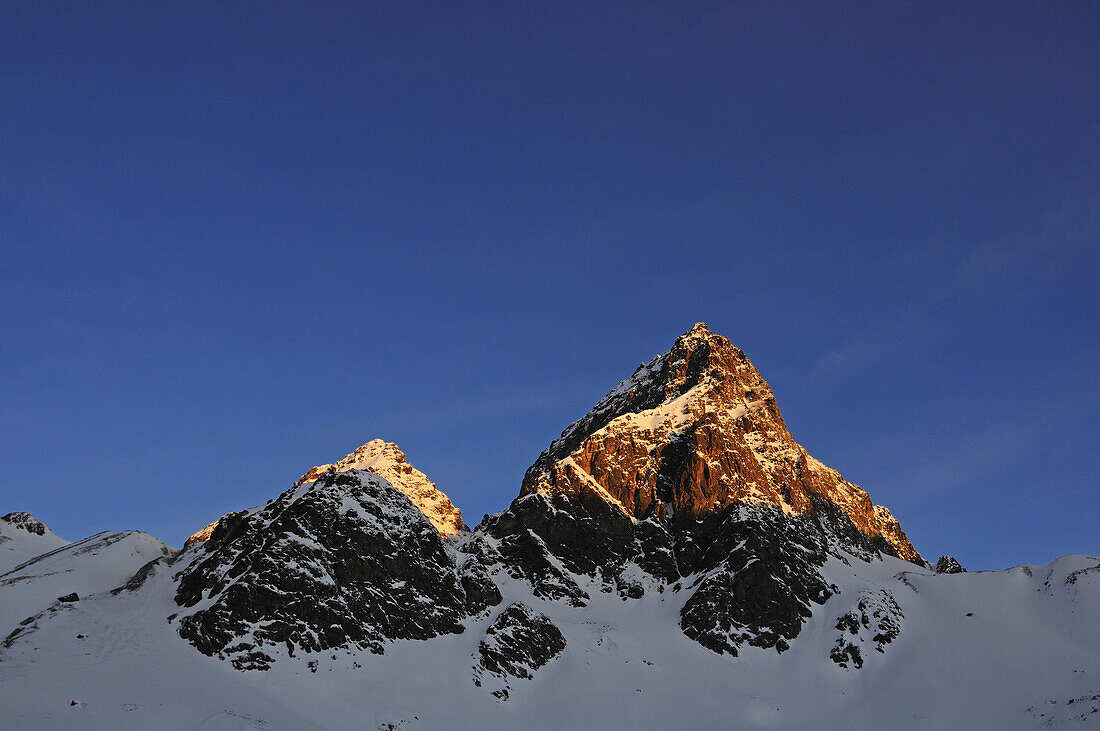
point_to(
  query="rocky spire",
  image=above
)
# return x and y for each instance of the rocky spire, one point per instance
(690, 433)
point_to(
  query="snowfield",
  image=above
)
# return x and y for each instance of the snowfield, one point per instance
(90, 566)
(1004, 649)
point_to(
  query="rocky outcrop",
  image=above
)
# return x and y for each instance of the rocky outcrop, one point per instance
(693, 432)
(388, 461)
(875, 622)
(758, 578)
(26, 522)
(517, 643)
(345, 560)
(948, 565)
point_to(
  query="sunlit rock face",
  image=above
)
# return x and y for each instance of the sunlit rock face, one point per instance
(342, 561)
(202, 536)
(693, 432)
(685, 478)
(387, 460)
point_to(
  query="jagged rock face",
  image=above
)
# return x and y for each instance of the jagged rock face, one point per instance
(875, 622)
(752, 571)
(342, 561)
(693, 432)
(685, 478)
(758, 577)
(517, 643)
(550, 540)
(385, 459)
(949, 565)
(26, 522)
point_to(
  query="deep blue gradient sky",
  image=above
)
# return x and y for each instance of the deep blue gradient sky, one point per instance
(241, 239)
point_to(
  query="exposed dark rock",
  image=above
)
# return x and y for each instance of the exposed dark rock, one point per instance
(517, 643)
(26, 522)
(343, 561)
(875, 621)
(139, 578)
(948, 565)
(762, 575)
(844, 652)
(540, 535)
(69, 598)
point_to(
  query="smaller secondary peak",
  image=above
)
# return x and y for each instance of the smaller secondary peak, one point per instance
(27, 522)
(386, 460)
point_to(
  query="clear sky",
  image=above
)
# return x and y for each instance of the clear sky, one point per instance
(240, 239)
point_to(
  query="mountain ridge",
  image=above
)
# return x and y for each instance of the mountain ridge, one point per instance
(674, 548)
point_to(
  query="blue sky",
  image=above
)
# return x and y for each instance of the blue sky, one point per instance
(238, 240)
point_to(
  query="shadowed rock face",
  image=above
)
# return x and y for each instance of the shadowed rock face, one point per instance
(517, 643)
(949, 565)
(689, 434)
(752, 572)
(342, 561)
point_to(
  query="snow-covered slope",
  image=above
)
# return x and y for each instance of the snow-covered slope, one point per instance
(1006, 649)
(22, 537)
(96, 564)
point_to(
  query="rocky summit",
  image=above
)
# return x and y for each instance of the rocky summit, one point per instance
(693, 432)
(685, 477)
(388, 461)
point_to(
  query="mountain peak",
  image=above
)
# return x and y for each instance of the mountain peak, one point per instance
(386, 460)
(692, 432)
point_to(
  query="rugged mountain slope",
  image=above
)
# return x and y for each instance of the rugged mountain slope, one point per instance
(342, 560)
(74, 571)
(1006, 649)
(22, 537)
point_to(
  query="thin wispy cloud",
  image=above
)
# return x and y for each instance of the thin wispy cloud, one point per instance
(1066, 239)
